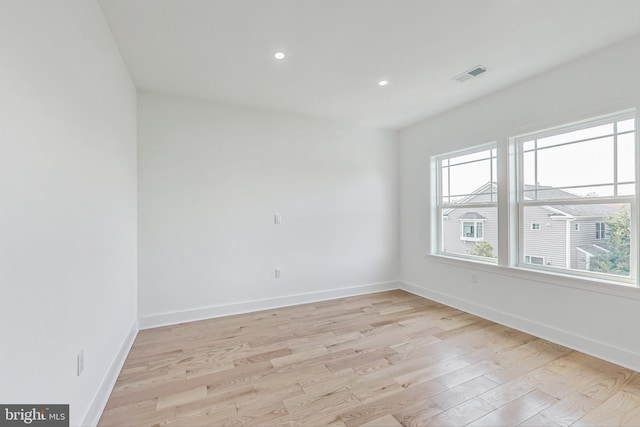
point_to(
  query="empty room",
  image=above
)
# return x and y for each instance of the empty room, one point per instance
(319, 212)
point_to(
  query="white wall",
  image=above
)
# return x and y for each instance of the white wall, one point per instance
(211, 177)
(67, 202)
(585, 318)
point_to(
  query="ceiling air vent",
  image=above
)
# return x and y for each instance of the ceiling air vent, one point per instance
(469, 74)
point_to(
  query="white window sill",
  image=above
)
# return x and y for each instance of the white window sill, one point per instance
(472, 239)
(607, 287)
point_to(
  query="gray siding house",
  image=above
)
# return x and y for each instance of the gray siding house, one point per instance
(565, 236)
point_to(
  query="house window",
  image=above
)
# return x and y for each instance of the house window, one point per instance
(580, 172)
(465, 185)
(472, 230)
(538, 260)
(535, 226)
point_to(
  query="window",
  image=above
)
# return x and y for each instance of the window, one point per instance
(570, 199)
(583, 172)
(466, 203)
(471, 230)
(534, 260)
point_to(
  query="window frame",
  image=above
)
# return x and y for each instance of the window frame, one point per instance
(475, 223)
(438, 207)
(601, 230)
(520, 203)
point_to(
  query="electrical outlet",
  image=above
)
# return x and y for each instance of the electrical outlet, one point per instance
(80, 362)
(474, 278)
(277, 273)
(277, 219)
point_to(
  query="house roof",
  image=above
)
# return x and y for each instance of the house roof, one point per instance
(480, 191)
(586, 210)
(573, 210)
(472, 215)
(594, 250)
(549, 192)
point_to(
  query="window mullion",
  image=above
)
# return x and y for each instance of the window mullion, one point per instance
(580, 201)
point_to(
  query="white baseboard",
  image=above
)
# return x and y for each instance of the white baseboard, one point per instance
(613, 354)
(211, 312)
(102, 396)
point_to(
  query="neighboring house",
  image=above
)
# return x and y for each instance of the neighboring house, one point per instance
(566, 236)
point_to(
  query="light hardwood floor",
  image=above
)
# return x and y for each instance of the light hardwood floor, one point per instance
(384, 359)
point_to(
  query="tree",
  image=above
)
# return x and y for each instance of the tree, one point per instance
(482, 248)
(616, 261)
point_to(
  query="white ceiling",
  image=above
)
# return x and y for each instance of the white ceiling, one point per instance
(337, 50)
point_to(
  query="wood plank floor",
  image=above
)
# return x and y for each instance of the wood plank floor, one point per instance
(385, 359)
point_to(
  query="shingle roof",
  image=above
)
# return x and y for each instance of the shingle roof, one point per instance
(472, 215)
(573, 210)
(588, 210)
(594, 249)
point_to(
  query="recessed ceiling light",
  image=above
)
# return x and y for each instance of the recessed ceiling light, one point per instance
(383, 83)
(278, 55)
